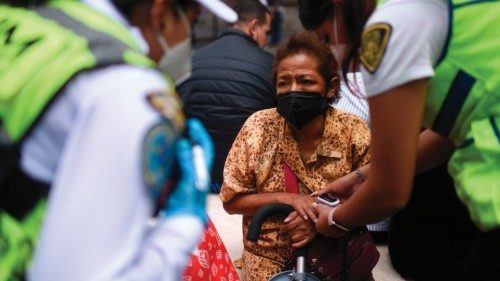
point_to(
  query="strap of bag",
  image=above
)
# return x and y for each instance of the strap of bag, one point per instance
(291, 186)
(290, 179)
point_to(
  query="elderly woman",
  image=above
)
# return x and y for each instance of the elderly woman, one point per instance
(317, 142)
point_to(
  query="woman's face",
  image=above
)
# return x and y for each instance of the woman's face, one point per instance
(299, 72)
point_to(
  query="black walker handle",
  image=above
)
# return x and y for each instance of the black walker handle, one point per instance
(263, 213)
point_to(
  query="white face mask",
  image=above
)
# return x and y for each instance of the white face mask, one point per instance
(337, 49)
(176, 61)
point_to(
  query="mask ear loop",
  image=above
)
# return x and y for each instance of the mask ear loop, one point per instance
(163, 42)
(335, 30)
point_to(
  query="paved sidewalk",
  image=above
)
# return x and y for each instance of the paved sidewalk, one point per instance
(229, 228)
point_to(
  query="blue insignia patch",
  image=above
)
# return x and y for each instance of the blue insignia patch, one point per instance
(157, 157)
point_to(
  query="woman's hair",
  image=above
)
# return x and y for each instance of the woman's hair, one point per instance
(355, 13)
(307, 43)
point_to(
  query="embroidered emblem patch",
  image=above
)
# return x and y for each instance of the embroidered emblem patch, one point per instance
(168, 104)
(373, 43)
(157, 157)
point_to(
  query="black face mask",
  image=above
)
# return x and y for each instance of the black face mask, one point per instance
(299, 108)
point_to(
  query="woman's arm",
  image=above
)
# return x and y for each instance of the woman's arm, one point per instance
(344, 187)
(248, 204)
(299, 229)
(396, 119)
(433, 149)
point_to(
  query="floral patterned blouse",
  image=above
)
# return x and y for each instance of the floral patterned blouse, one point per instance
(255, 165)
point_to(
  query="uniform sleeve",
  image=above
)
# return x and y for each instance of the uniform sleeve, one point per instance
(401, 43)
(96, 226)
(360, 144)
(239, 169)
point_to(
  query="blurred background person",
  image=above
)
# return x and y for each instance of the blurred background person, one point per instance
(277, 18)
(231, 79)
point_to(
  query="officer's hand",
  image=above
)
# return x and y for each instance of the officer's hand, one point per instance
(189, 195)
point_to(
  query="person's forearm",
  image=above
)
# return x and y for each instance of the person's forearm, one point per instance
(394, 149)
(433, 149)
(248, 204)
(357, 177)
(361, 174)
(166, 251)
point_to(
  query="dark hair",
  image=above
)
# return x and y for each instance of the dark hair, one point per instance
(355, 13)
(188, 3)
(125, 7)
(307, 43)
(248, 10)
(313, 13)
(24, 3)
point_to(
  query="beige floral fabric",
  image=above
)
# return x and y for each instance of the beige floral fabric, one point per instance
(255, 165)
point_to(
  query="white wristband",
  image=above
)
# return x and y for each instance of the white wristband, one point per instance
(335, 224)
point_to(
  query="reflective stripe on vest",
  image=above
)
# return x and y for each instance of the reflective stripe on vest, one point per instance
(43, 49)
(466, 83)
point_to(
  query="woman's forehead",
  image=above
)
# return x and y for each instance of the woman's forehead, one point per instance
(301, 61)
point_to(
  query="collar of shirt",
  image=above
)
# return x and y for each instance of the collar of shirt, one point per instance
(107, 8)
(238, 32)
(329, 146)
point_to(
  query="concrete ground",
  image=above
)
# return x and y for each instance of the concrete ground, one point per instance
(229, 228)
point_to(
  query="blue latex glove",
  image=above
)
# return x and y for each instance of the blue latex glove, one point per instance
(189, 195)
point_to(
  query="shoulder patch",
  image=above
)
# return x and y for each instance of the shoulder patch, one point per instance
(157, 157)
(373, 43)
(168, 104)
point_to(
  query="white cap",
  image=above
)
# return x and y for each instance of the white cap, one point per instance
(220, 9)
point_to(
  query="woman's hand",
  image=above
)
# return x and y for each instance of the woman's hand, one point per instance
(341, 188)
(300, 231)
(303, 205)
(322, 226)
(345, 186)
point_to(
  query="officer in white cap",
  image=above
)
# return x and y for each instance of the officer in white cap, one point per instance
(93, 142)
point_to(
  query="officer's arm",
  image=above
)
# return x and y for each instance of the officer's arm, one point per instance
(96, 227)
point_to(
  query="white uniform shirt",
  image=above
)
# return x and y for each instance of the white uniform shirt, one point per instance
(88, 145)
(419, 31)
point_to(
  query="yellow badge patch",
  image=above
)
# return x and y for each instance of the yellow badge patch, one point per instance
(168, 104)
(373, 43)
